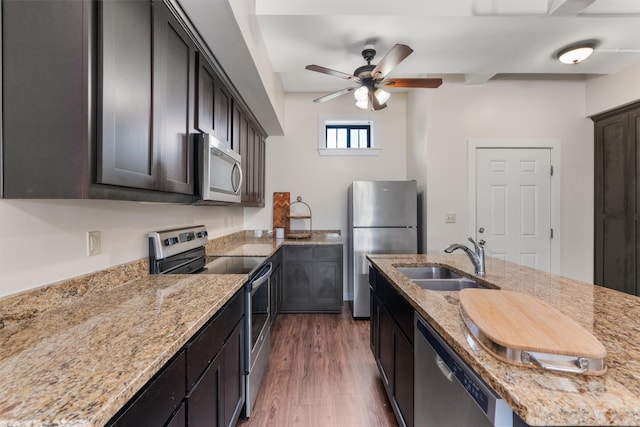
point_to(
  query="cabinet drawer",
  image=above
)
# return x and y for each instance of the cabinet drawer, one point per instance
(294, 253)
(327, 253)
(233, 311)
(202, 348)
(159, 399)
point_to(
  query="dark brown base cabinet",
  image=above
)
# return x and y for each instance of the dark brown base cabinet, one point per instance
(617, 199)
(312, 279)
(101, 100)
(203, 385)
(392, 345)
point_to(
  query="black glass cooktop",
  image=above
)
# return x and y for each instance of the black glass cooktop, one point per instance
(232, 264)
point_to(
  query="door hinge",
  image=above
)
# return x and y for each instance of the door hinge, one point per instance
(552, 233)
(551, 171)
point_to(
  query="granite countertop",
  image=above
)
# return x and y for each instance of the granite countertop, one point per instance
(541, 397)
(75, 352)
(247, 244)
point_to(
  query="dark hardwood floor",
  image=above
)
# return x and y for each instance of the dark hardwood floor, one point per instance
(321, 373)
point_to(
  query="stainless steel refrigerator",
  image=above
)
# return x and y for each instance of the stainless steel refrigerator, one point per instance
(383, 217)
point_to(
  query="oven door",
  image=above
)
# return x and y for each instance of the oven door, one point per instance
(257, 334)
(258, 310)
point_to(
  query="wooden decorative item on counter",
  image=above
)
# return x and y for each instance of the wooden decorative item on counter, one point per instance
(300, 212)
(281, 201)
(522, 330)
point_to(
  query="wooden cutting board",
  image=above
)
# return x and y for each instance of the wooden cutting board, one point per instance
(281, 202)
(519, 321)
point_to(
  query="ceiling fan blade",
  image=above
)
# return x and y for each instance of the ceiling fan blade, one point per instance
(335, 94)
(331, 72)
(413, 83)
(395, 56)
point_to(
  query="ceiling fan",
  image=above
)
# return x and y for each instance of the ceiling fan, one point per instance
(370, 94)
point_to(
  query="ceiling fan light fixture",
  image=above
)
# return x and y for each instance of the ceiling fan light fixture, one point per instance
(575, 53)
(382, 95)
(363, 104)
(361, 94)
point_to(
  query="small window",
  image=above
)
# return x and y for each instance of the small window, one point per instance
(348, 136)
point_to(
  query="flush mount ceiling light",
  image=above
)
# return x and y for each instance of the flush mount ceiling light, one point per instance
(576, 53)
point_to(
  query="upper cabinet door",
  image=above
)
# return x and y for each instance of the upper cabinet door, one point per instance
(205, 120)
(147, 74)
(214, 103)
(224, 113)
(174, 89)
(126, 152)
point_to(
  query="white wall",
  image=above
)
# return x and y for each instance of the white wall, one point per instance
(605, 93)
(519, 109)
(294, 165)
(44, 241)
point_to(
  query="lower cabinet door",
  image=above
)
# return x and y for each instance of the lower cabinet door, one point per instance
(203, 402)
(233, 376)
(386, 327)
(403, 377)
(179, 418)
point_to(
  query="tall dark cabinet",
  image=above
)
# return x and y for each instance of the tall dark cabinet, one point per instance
(617, 199)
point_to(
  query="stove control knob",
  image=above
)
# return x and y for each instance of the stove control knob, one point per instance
(202, 234)
(168, 242)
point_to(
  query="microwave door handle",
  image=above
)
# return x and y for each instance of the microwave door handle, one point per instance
(236, 166)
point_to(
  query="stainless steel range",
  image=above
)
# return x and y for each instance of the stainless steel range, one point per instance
(182, 251)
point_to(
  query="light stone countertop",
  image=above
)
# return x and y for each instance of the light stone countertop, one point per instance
(79, 363)
(247, 244)
(73, 353)
(541, 397)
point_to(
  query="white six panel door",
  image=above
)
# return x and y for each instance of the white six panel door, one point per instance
(513, 204)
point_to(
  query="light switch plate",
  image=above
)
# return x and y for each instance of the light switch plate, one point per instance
(93, 243)
(450, 218)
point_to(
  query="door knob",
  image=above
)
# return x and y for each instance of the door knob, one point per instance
(481, 230)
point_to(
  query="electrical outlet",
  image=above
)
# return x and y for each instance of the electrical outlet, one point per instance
(93, 243)
(450, 218)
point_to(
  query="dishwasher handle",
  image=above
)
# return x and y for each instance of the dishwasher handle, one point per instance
(448, 373)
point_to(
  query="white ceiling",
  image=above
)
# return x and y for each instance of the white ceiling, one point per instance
(478, 39)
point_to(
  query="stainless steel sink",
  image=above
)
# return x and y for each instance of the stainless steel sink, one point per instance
(429, 272)
(446, 284)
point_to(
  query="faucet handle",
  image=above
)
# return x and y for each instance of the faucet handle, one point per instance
(473, 241)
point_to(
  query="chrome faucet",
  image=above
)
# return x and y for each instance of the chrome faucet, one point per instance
(476, 257)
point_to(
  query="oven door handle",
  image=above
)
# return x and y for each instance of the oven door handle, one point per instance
(261, 277)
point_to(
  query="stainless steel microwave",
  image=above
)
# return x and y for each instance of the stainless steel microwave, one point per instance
(219, 171)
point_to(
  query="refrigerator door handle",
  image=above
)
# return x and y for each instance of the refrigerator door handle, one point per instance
(365, 264)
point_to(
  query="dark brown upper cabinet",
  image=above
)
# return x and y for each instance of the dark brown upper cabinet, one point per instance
(214, 104)
(101, 100)
(147, 86)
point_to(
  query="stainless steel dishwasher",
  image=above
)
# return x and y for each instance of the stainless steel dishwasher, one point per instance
(448, 392)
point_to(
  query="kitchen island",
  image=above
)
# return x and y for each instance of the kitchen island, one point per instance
(540, 397)
(75, 352)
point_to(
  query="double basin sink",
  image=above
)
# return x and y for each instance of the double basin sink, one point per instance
(438, 278)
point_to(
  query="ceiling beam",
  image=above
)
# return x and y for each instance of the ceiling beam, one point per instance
(477, 78)
(568, 8)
